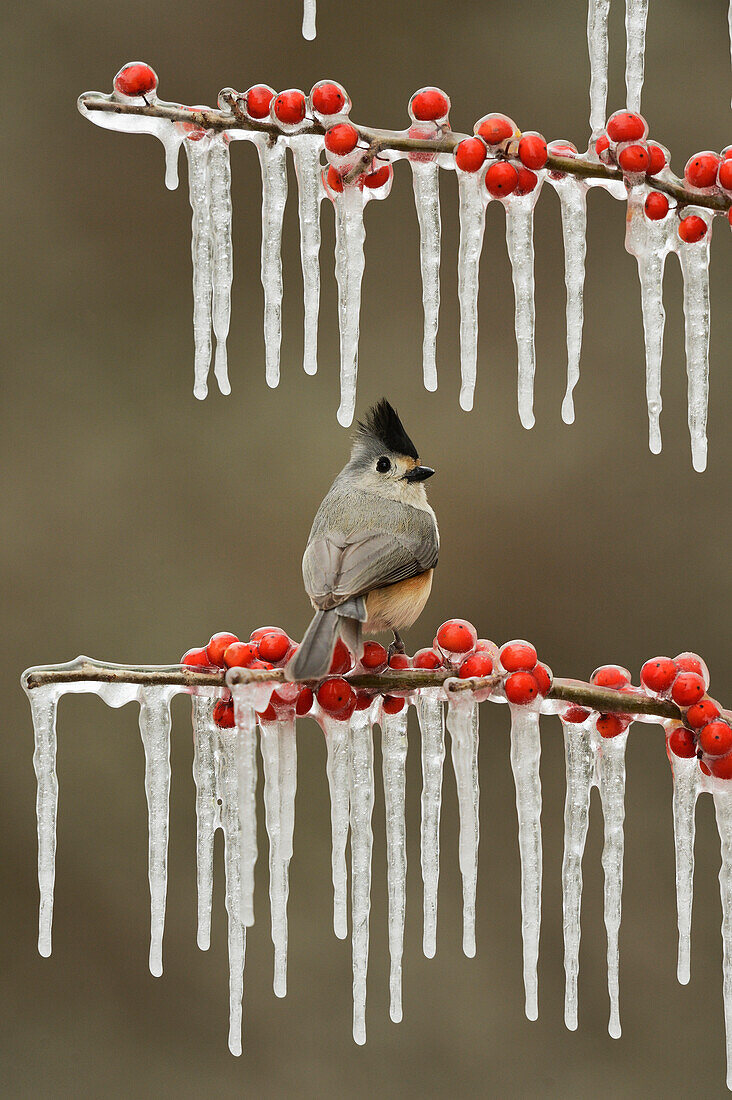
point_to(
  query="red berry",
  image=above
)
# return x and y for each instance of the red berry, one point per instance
(722, 768)
(470, 154)
(399, 660)
(392, 704)
(706, 710)
(429, 105)
(626, 126)
(527, 181)
(725, 174)
(478, 664)
(682, 742)
(334, 179)
(223, 713)
(610, 725)
(261, 665)
(501, 179)
(364, 699)
(634, 158)
(217, 645)
(701, 170)
(335, 694)
(135, 79)
(688, 688)
(532, 151)
(269, 714)
(704, 768)
(658, 674)
(495, 128)
(575, 714)
(257, 100)
(196, 658)
(518, 656)
(602, 143)
(543, 678)
(457, 636)
(240, 654)
(262, 630)
(521, 687)
(692, 662)
(656, 206)
(329, 98)
(342, 660)
(427, 658)
(561, 148)
(610, 676)
(289, 107)
(341, 139)
(274, 646)
(304, 701)
(716, 738)
(692, 228)
(658, 158)
(377, 178)
(374, 656)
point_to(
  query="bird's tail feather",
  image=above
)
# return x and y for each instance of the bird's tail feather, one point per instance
(315, 652)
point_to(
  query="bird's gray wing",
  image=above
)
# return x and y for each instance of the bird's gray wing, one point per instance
(337, 567)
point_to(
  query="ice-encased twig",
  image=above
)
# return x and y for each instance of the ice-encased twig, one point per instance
(525, 754)
(426, 184)
(308, 20)
(431, 714)
(336, 740)
(573, 202)
(274, 196)
(611, 783)
(580, 767)
(44, 704)
(394, 759)
(636, 14)
(306, 150)
(155, 725)
(694, 260)
(361, 786)
(473, 200)
(520, 244)
(279, 758)
(597, 16)
(462, 723)
(201, 255)
(687, 786)
(208, 818)
(349, 266)
(219, 185)
(723, 812)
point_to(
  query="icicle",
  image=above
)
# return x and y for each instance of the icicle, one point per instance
(462, 722)
(308, 20)
(597, 16)
(394, 759)
(611, 782)
(520, 244)
(473, 201)
(723, 812)
(201, 253)
(349, 265)
(694, 260)
(306, 151)
(687, 779)
(432, 727)
(636, 13)
(219, 184)
(44, 703)
(336, 740)
(274, 196)
(580, 765)
(426, 184)
(361, 786)
(246, 763)
(155, 733)
(169, 134)
(525, 753)
(573, 201)
(208, 818)
(279, 757)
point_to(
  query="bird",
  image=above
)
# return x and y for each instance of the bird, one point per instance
(372, 549)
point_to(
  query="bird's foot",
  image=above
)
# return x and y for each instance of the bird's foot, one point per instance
(397, 646)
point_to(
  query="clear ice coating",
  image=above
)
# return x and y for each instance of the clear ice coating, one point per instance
(473, 199)
(279, 760)
(361, 787)
(597, 16)
(308, 19)
(350, 236)
(688, 784)
(525, 754)
(208, 818)
(462, 723)
(573, 203)
(336, 741)
(611, 775)
(306, 150)
(426, 184)
(168, 134)
(694, 260)
(431, 714)
(44, 704)
(723, 811)
(636, 14)
(394, 759)
(273, 165)
(155, 733)
(520, 244)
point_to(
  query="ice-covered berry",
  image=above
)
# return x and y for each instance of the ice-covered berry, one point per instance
(611, 725)
(257, 100)
(342, 659)
(692, 228)
(687, 689)
(496, 129)
(196, 658)
(427, 658)
(289, 107)
(477, 664)
(429, 105)
(400, 661)
(470, 154)
(704, 768)
(501, 179)
(610, 676)
(656, 206)
(532, 150)
(335, 694)
(364, 699)
(518, 656)
(377, 178)
(259, 633)
(217, 645)
(374, 656)
(135, 79)
(658, 674)
(274, 646)
(658, 156)
(721, 768)
(223, 713)
(706, 710)
(527, 181)
(724, 175)
(304, 701)
(576, 715)
(561, 148)
(329, 98)
(333, 179)
(341, 139)
(521, 688)
(701, 170)
(626, 126)
(543, 677)
(682, 742)
(240, 654)
(602, 146)
(692, 662)
(456, 636)
(715, 739)
(634, 158)
(393, 704)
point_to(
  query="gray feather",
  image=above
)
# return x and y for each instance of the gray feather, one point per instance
(314, 654)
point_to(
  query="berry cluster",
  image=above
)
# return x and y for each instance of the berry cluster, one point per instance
(512, 158)
(607, 725)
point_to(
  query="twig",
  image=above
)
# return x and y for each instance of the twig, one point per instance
(444, 142)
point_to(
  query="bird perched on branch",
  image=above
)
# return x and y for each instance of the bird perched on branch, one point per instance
(373, 546)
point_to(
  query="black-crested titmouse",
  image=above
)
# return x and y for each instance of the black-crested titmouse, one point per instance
(373, 546)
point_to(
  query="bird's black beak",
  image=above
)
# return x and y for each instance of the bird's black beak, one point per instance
(419, 473)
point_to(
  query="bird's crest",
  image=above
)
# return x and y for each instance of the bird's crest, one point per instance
(382, 422)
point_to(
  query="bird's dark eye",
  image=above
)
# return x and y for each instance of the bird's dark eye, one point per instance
(383, 465)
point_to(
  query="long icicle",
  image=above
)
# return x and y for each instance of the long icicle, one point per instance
(723, 812)
(274, 196)
(426, 184)
(279, 757)
(208, 817)
(306, 151)
(228, 791)
(525, 754)
(431, 714)
(246, 764)
(336, 740)
(155, 725)
(462, 722)
(219, 183)
(636, 14)
(361, 785)
(687, 786)
(308, 20)
(201, 253)
(44, 703)
(471, 190)
(520, 244)
(611, 782)
(349, 266)
(580, 767)
(694, 260)
(573, 202)
(394, 759)
(597, 16)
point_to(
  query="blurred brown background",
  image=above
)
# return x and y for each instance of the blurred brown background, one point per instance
(137, 521)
